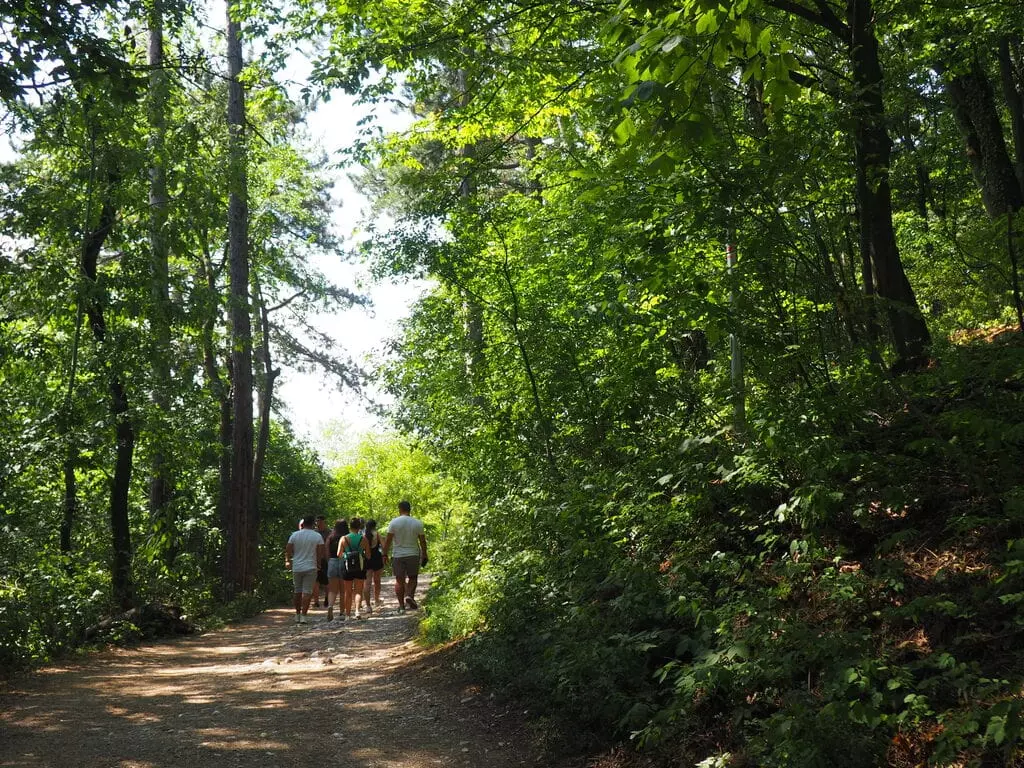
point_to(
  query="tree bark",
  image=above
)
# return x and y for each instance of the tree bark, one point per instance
(873, 147)
(121, 572)
(1009, 75)
(70, 508)
(977, 117)
(161, 484)
(265, 392)
(221, 392)
(242, 536)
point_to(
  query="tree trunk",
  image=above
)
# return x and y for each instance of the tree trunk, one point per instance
(265, 392)
(1010, 76)
(70, 509)
(121, 572)
(977, 116)
(874, 196)
(239, 566)
(161, 485)
(221, 392)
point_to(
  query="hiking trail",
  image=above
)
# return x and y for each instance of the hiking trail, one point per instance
(264, 692)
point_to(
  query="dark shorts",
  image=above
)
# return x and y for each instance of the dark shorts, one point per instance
(357, 576)
(406, 567)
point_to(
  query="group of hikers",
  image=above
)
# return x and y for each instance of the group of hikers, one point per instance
(348, 560)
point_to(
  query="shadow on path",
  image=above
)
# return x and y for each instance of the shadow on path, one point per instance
(266, 692)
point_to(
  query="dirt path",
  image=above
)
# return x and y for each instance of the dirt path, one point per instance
(266, 692)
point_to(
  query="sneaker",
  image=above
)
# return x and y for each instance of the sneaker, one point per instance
(411, 604)
(298, 618)
(330, 613)
(341, 616)
(359, 615)
(401, 610)
(379, 602)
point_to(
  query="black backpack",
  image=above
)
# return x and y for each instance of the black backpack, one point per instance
(353, 558)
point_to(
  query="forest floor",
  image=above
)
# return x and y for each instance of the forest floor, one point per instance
(265, 692)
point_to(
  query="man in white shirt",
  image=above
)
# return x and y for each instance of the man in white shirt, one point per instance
(304, 550)
(407, 535)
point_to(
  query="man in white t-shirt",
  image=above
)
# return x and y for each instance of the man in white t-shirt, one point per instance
(304, 550)
(407, 535)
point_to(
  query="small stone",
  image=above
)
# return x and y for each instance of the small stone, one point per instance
(288, 659)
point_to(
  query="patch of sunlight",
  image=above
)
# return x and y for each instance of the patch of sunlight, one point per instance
(226, 649)
(200, 700)
(241, 744)
(267, 704)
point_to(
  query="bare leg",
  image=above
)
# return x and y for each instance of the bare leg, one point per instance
(297, 600)
(306, 597)
(357, 594)
(347, 583)
(376, 587)
(411, 589)
(400, 592)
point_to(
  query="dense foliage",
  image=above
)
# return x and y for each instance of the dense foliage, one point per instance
(759, 515)
(716, 399)
(117, 390)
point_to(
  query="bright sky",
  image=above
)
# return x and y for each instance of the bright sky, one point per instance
(315, 406)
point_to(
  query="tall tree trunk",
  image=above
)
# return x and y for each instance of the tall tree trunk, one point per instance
(70, 509)
(220, 390)
(121, 573)
(1011, 71)
(239, 566)
(977, 116)
(265, 390)
(874, 196)
(161, 485)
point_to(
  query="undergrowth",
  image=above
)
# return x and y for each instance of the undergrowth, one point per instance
(841, 589)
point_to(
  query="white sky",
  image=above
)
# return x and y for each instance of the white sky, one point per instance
(314, 406)
(317, 410)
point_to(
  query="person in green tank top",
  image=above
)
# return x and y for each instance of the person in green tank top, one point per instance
(354, 543)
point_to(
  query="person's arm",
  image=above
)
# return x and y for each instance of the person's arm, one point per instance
(321, 551)
(423, 548)
(342, 545)
(366, 547)
(387, 545)
(289, 551)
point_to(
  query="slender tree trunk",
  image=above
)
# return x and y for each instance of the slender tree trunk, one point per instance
(70, 510)
(242, 536)
(872, 149)
(123, 588)
(221, 393)
(265, 391)
(161, 485)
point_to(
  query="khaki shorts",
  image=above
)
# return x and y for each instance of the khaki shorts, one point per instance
(303, 581)
(406, 567)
